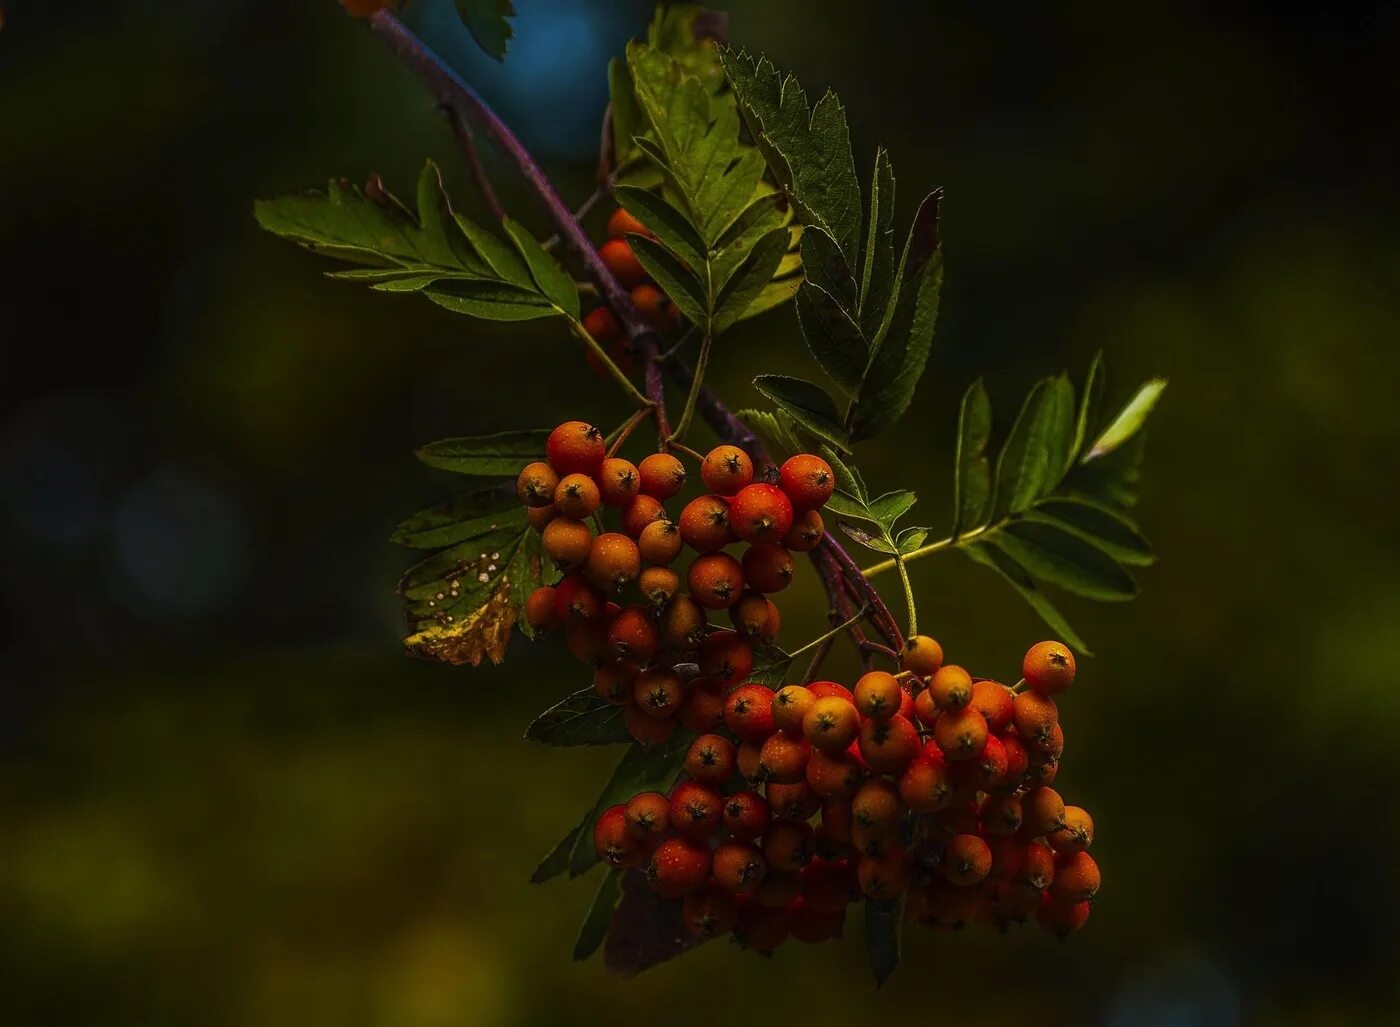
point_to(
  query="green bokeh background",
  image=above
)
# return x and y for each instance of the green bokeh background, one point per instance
(226, 799)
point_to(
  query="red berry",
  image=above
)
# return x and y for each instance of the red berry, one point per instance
(807, 480)
(726, 656)
(575, 447)
(746, 815)
(738, 867)
(614, 844)
(768, 567)
(623, 263)
(678, 866)
(648, 816)
(620, 223)
(748, 712)
(760, 513)
(710, 912)
(967, 860)
(695, 810)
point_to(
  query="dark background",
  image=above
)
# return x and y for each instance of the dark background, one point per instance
(226, 799)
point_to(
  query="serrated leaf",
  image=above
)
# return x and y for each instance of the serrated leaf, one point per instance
(665, 221)
(497, 255)
(1020, 580)
(551, 278)
(1061, 558)
(643, 768)
(877, 283)
(808, 150)
(1100, 525)
(594, 928)
(1129, 420)
(504, 453)
(972, 482)
(869, 539)
(582, 718)
(848, 479)
(884, 923)
(464, 518)
(749, 281)
(902, 351)
(809, 405)
(487, 21)
(490, 302)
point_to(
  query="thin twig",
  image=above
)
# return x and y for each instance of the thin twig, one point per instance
(467, 142)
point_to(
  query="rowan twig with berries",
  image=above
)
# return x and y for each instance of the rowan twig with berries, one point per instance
(745, 802)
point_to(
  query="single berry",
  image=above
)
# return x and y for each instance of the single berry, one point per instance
(1048, 668)
(587, 640)
(658, 586)
(921, 655)
(540, 612)
(710, 760)
(567, 541)
(833, 775)
(661, 475)
(1062, 918)
(831, 724)
(961, 734)
(620, 223)
(683, 624)
(658, 693)
(726, 656)
(926, 786)
(783, 757)
(1077, 834)
(726, 469)
(1035, 717)
(1037, 868)
(807, 480)
(790, 705)
(1002, 814)
(575, 447)
(695, 810)
(878, 695)
(888, 745)
(703, 708)
(648, 817)
(641, 512)
(995, 702)
(748, 712)
(678, 866)
(710, 912)
(619, 482)
(992, 763)
(536, 484)
(885, 876)
(825, 689)
(806, 532)
(613, 681)
(715, 580)
(760, 513)
(967, 860)
(739, 867)
(925, 709)
(576, 496)
(540, 516)
(602, 325)
(746, 815)
(788, 845)
(623, 263)
(792, 801)
(1076, 878)
(1044, 810)
(660, 543)
(613, 562)
(614, 844)
(951, 687)
(633, 635)
(705, 525)
(877, 804)
(768, 567)
(756, 617)
(656, 307)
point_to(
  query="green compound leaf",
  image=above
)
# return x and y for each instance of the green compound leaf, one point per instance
(486, 455)
(1129, 420)
(583, 718)
(972, 482)
(436, 252)
(466, 517)
(1019, 579)
(487, 21)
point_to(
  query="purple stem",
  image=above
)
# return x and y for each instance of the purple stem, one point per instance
(865, 591)
(467, 142)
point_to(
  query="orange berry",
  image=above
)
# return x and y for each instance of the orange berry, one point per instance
(602, 325)
(878, 695)
(623, 263)
(613, 561)
(641, 512)
(540, 516)
(806, 532)
(612, 841)
(788, 845)
(660, 542)
(1002, 814)
(620, 223)
(888, 745)
(926, 786)
(656, 307)
(633, 635)
(575, 447)
(790, 705)
(831, 724)
(540, 611)
(995, 702)
(1076, 878)
(536, 484)
(683, 624)
(1035, 717)
(1044, 811)
(768, 567)
(951, 687)
(709, 912)
(1048, 667)
(613, 681)
(833, 775)
(658, 585)
(961, 734)
(922, 655)
(648, 816)
(715, 580)
(1076, 835)
(783, 758)
(661, 475)
(746, 815)
(925, 709)
(710, 759)
(748, 712)
(695, 810)
(807, 480)
(760, 513)
(703, 708)
(726, 469)
(876, 803)
(792, 801)
(576, 496)
(618, 481)
(567, 541)
(1037, 868)
(738, 866)
(658, 693)
(967, 860)
(678, 866)
(726, 656)
(705, 525)
(1062, 918)
(756, 617)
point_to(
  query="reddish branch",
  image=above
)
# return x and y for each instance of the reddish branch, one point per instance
(846, 587)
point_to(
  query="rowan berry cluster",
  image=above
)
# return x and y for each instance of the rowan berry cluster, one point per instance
(643, 628)
(930, 784)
